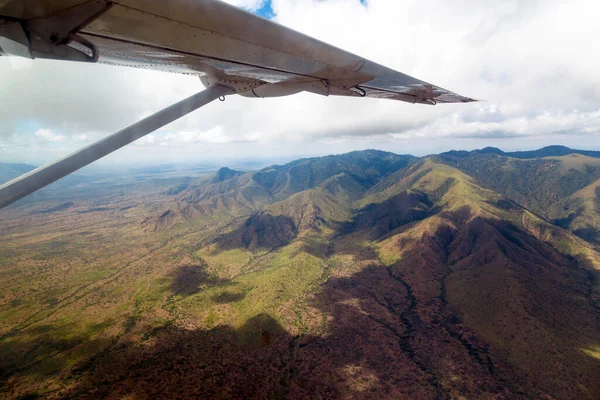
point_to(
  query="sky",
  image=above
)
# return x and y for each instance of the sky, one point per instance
(533, 64)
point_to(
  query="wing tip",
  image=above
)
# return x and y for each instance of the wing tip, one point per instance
(464, 99)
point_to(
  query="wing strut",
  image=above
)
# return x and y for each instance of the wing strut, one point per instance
(45, 175)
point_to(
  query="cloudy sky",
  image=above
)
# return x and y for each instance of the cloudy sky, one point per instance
(534, 63)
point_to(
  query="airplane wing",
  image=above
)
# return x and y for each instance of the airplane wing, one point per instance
(232, 51)
(209, 38)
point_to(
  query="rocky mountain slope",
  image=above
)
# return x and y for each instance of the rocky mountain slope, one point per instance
(559, 188)
(365, 275)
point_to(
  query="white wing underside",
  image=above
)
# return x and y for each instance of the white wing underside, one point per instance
(222, 43)
(232, 51)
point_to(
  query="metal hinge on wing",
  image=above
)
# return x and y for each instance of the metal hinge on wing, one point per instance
(236, 84)
(54, 36)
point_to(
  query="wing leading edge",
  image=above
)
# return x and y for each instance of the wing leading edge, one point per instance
(231, 51)
(218, 42)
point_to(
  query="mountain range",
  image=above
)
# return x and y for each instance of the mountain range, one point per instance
(362, 275)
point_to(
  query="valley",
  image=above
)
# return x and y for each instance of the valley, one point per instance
(362, 275)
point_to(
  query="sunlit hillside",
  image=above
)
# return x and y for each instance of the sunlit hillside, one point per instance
(364, 275)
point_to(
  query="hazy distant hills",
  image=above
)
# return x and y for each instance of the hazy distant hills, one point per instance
(362, 275)
(547, 151)
(10, 171)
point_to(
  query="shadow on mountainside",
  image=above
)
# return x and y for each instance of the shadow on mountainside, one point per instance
(190, 279)
(382, 218)
(260, 231)
(478, 308)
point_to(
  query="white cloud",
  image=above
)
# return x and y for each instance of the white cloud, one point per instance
(548, 123)
(247, 4)
(533, 62)
(147, 140)
(214, 135)
(47, 135)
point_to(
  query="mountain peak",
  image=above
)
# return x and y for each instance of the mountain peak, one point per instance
(225, 174)
(490, 150)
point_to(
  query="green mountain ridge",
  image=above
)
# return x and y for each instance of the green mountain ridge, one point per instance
(552, 187)
(364, 275)
(243, 193)
(548, 151)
